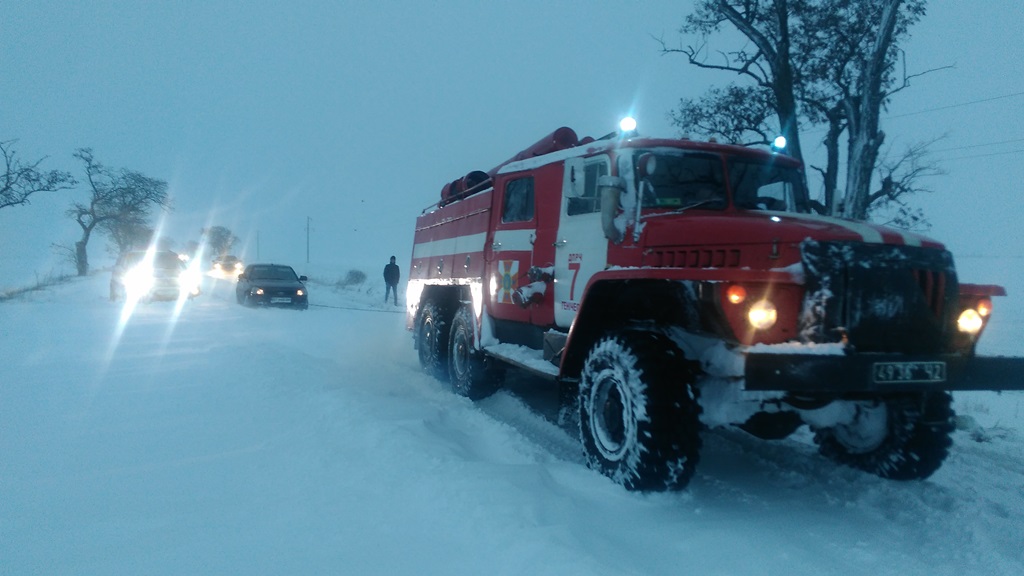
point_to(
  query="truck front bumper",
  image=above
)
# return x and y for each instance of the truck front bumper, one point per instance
(793, 372)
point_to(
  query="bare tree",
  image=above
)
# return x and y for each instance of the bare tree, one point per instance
(766, 24)
(219, 239)
(191, 248)
(128, 235)
(901, 176)
(736, 114)
(840, 71)
(20, 180)
(121, 196)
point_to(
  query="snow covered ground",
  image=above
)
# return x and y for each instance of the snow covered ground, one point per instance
(216, 439)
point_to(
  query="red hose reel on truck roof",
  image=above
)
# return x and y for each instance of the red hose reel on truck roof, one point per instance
(477, 180)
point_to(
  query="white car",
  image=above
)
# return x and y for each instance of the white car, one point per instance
(152, 275)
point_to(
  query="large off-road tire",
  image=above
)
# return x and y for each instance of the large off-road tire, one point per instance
(432, 339)
(469, 371)
(904, 437)
(639, 416)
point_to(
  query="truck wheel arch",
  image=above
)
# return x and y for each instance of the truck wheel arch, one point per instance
(615, 304)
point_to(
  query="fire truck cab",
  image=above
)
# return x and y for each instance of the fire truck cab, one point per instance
(668, 285)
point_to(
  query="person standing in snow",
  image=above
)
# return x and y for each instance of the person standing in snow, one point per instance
(391, 274)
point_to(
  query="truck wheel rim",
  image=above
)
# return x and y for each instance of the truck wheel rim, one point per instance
(460, 355)
(867, 431)
(426, 340)
(611, 418)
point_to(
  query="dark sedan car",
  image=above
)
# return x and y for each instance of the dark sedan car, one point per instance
(227, 266)
(271, 285)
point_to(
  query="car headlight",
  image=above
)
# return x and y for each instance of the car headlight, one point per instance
(762, 315)
(238, 266)
(300, 292)
(258, 291)
(138, 281)
(189, 281)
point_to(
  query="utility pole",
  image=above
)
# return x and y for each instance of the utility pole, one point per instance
(308, 220)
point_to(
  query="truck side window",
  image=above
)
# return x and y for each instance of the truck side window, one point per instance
(590, 201)
(518, 201)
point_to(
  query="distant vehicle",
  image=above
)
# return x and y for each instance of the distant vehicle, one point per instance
(152, 275)
(271, 285)
(227, 265)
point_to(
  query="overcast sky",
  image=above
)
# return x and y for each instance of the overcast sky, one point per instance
(261, 115)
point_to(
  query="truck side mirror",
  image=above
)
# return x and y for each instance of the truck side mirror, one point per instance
(647, 164)
(610, 188)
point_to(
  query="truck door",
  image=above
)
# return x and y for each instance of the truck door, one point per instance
(510, 248)
(581, 250)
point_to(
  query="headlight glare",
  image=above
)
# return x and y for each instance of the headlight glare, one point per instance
(762, 315)
(970, 321)
(138, 281)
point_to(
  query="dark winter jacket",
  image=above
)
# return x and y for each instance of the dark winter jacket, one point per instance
(391, 274)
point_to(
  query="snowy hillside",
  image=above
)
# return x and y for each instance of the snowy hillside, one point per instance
(217, 439)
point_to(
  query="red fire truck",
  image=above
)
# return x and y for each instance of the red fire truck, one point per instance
(671, 285)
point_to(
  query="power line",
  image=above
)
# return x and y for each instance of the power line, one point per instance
(961, 104)
(927, 110)
(980, 145)
(985, 155)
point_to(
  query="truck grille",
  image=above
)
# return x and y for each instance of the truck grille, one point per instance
(693, 258)
(933, 288)
(879, 298)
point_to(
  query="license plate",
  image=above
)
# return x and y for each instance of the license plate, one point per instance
(908, 372)
(280, 300)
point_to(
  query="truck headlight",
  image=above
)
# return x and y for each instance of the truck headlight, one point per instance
(970, 321)
(762, 315)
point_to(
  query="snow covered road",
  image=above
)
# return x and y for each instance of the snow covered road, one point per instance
(224, 440)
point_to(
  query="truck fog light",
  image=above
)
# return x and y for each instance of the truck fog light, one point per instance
(984, 307)
(970, 321)
(762, 315)
(736, 294)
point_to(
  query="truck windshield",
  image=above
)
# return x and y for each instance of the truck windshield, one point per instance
(767, 186)
(678, 180)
